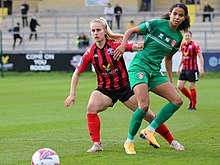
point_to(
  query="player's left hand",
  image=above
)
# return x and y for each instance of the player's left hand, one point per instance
(202, 73)
(119, 52)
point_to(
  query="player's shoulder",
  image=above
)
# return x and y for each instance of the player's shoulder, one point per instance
(90, 50)
(113, 43)
(162, 21)
(193, 43)
(159, 23)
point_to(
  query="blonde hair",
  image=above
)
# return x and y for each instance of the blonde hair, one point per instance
(109, 33)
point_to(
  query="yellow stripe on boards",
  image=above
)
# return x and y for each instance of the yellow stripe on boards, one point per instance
(3, 11)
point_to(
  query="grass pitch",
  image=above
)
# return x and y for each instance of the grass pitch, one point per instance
(33, 116)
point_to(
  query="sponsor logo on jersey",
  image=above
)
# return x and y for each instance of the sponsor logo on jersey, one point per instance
(107, 67)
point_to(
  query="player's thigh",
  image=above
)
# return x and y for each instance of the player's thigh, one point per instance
(181, 84)
(131, 103)
(142, 96)
(149, 116)
(98, 102)
(192, 85)
(169, 92)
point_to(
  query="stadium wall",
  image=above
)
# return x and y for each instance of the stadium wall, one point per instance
(68, 61)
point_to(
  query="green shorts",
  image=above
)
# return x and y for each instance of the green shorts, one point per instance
(138, 74)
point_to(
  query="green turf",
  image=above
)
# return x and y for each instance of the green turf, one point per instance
(33, 116)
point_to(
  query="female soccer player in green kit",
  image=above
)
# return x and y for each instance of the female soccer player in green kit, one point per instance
(163, 39)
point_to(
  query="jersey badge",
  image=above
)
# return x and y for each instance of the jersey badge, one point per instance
(110, 51)
(173, 42)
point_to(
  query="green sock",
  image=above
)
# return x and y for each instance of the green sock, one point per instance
(165, 113)
(135, 122)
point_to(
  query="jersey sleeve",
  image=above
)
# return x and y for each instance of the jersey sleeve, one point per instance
(197, 48)
(149, 26)
(85, 61)
(115, 44)
(129, 47)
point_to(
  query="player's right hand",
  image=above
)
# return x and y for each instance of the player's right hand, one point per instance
(70, 99)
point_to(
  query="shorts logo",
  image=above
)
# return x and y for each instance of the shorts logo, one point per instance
(140, 75)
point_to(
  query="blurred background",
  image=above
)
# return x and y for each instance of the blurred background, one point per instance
(59, 25)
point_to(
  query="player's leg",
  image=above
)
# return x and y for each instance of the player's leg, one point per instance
(181, 83)
(142, 96)
(164, 132)
(193, 78)
(167, 91)
(131, 103)
(98, 102)
(193, 95)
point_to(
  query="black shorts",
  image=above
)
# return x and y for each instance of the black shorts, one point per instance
(189, 75)
(122, 94)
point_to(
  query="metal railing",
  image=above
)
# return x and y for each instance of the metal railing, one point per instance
(78, 21)
(65, 41)
(61, 38)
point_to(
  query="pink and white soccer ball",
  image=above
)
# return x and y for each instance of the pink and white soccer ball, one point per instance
(45, 156)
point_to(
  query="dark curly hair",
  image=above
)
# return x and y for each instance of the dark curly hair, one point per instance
(185, 25)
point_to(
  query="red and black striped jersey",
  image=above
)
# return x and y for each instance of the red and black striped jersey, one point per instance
(111, 74)
(189, 54)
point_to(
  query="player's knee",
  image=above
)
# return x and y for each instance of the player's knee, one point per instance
(178, 101)
(180, 87)
(144, 107)
(91, 108)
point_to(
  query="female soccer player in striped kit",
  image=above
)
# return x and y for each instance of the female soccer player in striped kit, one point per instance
(163, 39)
(188, 69)
(113, 82)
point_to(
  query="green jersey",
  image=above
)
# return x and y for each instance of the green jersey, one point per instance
(160, 41)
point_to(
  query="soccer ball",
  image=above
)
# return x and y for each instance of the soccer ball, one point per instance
(45, 156)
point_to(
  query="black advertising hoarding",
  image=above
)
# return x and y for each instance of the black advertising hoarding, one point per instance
(212, 61)
(42, 62)
(68, 61)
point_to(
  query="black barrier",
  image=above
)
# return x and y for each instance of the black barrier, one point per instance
(212, 61)
(68, 61)
(42, 62)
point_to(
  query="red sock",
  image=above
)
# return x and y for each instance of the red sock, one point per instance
(193, 94)
(165, 133)
(94, 127)
(186, 93)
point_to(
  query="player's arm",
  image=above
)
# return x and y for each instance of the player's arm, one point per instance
(75, 77)
(138, 46)
(74, 81)
(121, 49)
(201, 60)
(168, 65)
(179, 66)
